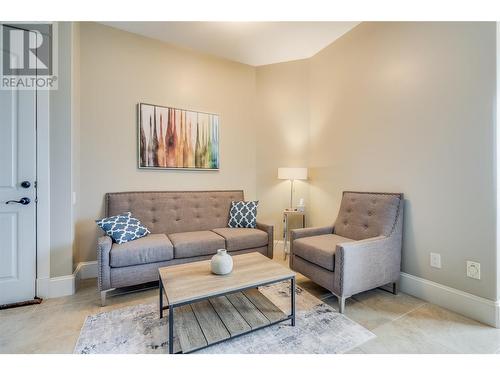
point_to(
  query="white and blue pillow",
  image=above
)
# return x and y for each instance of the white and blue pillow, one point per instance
(123, 228)
(243, 214)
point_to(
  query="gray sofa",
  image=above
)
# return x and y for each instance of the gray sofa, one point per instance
(361, 251)
(186, 226)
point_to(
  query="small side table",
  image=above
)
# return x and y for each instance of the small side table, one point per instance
(286, 215)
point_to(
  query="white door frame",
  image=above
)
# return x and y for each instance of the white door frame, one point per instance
(42, 256)
(43, 194)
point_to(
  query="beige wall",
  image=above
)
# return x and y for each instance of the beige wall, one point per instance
(120, 69)
(409, 107)
(498, 153)
(389, 106)
(282, 113)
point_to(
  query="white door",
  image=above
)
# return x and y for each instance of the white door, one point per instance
(17, 185)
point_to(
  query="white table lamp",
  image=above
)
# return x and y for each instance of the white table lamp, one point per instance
(292, 174)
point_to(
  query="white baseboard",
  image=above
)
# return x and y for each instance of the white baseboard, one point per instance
(66, 285)
(55, 286)
(478, 308)
(43, 287)
(86, 270)
(62, 286)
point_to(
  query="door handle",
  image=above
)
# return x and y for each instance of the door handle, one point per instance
(24, 201)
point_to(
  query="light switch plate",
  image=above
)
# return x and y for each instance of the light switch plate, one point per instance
(435, 260)
(474, 270)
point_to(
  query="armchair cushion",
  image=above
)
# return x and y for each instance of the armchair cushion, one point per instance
(319, 250)
(366, 215)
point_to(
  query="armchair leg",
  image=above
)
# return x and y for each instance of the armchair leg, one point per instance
(341, 304)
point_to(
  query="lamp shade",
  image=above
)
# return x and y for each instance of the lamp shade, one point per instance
(292, 173)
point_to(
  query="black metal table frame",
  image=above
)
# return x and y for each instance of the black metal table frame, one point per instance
(171, 308)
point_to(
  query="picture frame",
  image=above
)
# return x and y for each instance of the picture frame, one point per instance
(177, 139)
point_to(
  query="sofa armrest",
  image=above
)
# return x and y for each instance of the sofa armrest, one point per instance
(269, 229)
(366, 264)
(104, 245)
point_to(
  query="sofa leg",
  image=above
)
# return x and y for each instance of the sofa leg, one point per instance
(341, 304)
(103, 296)
(395, 288)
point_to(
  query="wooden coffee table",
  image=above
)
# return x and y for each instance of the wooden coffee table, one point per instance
(210, 308)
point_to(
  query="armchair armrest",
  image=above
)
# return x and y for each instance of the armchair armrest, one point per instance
(295, 234)
(269, 229)
(366, 264)
(104, 245)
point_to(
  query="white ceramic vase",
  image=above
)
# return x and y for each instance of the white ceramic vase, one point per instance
(221, 263)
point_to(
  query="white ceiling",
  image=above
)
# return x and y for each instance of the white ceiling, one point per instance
(253, 43)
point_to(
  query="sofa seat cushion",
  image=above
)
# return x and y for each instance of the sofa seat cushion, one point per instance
(242, 238)
(150, 249)
(319, 250)
(191, 244)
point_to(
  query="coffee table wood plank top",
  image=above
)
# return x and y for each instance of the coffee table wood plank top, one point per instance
(210, 323)
(252, 316)
(200, 325)
(190, 281)
(231, 318)
(191, 336)
(212, 308)
(264, 305)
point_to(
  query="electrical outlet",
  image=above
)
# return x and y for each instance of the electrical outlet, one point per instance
(474, 270)
(435, 260)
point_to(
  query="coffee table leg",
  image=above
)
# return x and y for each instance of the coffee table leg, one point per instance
(161, 300)
(171, 329)
(292, 292)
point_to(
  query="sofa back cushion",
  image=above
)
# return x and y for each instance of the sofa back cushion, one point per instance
(175, 211)
(365, 215)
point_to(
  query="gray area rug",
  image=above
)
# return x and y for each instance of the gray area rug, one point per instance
(138, 329)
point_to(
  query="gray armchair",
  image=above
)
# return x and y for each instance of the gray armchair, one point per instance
(361, 251)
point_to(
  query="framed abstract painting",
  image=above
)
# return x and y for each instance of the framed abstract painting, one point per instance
(172, 138)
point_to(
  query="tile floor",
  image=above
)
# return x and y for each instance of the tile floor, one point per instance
(403, 324)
